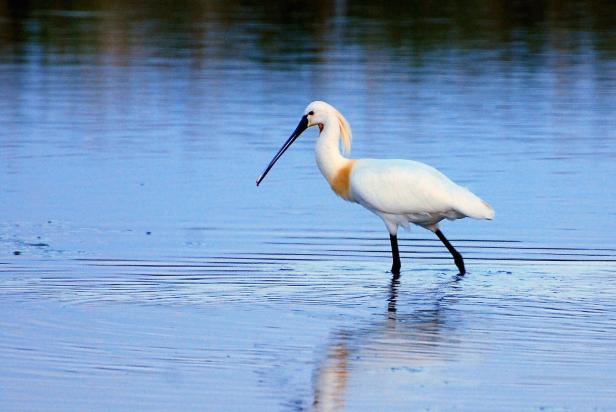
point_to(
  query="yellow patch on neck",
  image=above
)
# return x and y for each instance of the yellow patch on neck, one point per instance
(341, 181)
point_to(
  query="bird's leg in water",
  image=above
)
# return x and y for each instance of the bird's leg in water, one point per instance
(457, 257)
(395, 254)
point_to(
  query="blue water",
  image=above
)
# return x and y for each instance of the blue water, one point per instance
(141, 268)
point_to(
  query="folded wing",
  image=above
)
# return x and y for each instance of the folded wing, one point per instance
(414, 190)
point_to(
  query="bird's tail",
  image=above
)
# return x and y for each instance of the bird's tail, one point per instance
(475, 207)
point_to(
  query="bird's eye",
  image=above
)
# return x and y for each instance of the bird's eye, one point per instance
(311, 113)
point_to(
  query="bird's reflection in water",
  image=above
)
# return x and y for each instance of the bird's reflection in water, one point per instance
(401, 341)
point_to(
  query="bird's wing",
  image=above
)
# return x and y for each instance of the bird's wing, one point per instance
(402, 187)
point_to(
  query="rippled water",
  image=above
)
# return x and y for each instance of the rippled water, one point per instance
(140, 267)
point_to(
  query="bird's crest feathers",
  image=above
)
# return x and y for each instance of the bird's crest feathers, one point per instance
(345, 132)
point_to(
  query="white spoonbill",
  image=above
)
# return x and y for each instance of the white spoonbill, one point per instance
(398, 191)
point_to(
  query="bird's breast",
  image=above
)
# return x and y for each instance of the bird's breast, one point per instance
(340, 181)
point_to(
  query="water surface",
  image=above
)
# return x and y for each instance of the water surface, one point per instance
(140, 267)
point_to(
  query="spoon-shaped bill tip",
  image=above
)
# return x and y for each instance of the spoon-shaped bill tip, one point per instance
(303, 124)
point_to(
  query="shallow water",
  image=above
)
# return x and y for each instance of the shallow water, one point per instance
(141, 268)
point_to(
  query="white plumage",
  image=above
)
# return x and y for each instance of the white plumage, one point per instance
(403, 191)
(398, 191)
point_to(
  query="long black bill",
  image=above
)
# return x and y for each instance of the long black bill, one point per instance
(303, 124)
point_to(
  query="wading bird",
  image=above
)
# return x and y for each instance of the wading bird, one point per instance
(398, 191)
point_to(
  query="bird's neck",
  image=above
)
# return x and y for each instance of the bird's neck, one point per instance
(333, 165)
(329, 158)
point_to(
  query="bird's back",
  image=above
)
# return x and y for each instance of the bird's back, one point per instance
(414, 190)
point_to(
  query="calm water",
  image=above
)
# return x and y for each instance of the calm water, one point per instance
(141, 269)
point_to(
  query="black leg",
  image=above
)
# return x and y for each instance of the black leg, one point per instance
(457, 257)
(395, 254)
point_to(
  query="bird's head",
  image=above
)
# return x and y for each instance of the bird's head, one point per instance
(317, 113)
